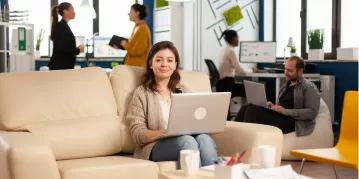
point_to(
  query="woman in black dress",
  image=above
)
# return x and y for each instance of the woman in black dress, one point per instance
(64, 43)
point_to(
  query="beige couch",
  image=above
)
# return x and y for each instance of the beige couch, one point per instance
(69, 125)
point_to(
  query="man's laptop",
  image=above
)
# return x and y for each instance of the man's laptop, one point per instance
(197, 113)
(255, 93)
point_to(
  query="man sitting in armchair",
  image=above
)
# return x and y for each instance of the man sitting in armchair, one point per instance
(298, 105)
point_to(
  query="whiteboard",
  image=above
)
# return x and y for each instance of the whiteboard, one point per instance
(258, 52)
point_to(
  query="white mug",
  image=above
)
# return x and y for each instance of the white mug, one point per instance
(265, 155)
(189, 160)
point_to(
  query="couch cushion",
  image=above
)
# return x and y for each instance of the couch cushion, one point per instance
(74, 110)
(322, 136)
(125, 79)
(113, 167)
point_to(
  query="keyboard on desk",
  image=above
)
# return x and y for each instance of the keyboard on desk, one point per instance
(262, 71)
(271, 70)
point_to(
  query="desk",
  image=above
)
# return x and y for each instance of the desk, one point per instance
(277, 77)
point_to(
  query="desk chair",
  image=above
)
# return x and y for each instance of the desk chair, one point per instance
(213, 73)
(345, 153)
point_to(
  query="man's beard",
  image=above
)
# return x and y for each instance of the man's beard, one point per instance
(295, 79)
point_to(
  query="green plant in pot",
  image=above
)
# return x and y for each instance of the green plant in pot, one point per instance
(114, 64)
(316, 43)
(39, 38)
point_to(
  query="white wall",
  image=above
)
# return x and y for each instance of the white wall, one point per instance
(268, 20)
(195, 28)
(213, 25)
(188, 36)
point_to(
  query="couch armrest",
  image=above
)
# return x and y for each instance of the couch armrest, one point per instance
(239, 137)
(24, 156)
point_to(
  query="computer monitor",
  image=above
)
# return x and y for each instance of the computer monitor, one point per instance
(103, 50)
(257, 52)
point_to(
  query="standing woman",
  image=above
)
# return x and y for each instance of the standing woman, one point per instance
(64, 42)
(139, 43)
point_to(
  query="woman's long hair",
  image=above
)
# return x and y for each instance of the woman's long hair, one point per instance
(229, 35)
(55, 11)
(149, 76)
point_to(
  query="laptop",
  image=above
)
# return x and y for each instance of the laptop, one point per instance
(255, 93)
(197, 113)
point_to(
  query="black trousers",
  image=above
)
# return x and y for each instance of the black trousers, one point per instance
(256, 114)
(228, 85)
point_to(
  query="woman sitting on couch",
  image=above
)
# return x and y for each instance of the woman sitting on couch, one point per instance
(149, 109)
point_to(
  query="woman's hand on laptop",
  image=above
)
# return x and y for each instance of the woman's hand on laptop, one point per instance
(151, 134)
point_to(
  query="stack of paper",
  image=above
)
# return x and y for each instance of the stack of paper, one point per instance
(283, 172)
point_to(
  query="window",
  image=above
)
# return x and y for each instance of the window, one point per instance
(39, 15)
(82, 25)
(288, 24)
(114, 18)
(319, 16)
(349, 23)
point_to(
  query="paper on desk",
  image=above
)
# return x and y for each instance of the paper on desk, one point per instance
(283, 172)
(209, 168)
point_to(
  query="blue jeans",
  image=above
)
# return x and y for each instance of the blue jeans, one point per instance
(169, 149)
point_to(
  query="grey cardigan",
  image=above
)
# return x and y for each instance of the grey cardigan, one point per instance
(306, 106)
(144, 114)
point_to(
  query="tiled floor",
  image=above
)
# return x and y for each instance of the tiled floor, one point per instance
(322, 171)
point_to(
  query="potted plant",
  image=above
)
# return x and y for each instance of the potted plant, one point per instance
(316, 42)
(114, 64)
(293, 51)
(39, 38)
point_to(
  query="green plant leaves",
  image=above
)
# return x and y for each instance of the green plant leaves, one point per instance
(316, 38)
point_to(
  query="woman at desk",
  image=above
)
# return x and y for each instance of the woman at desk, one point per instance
(229, 65)
(139, 43)
(64, 42)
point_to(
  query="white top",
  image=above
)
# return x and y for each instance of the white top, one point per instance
(229, 63)
(165, 112)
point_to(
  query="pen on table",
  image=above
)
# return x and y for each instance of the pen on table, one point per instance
(233, 159)
(240, 158)
(230, 160)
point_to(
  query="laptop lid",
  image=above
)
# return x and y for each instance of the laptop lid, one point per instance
(255, 93)
(197, 113)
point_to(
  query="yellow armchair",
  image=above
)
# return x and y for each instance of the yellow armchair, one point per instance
(345, 153)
